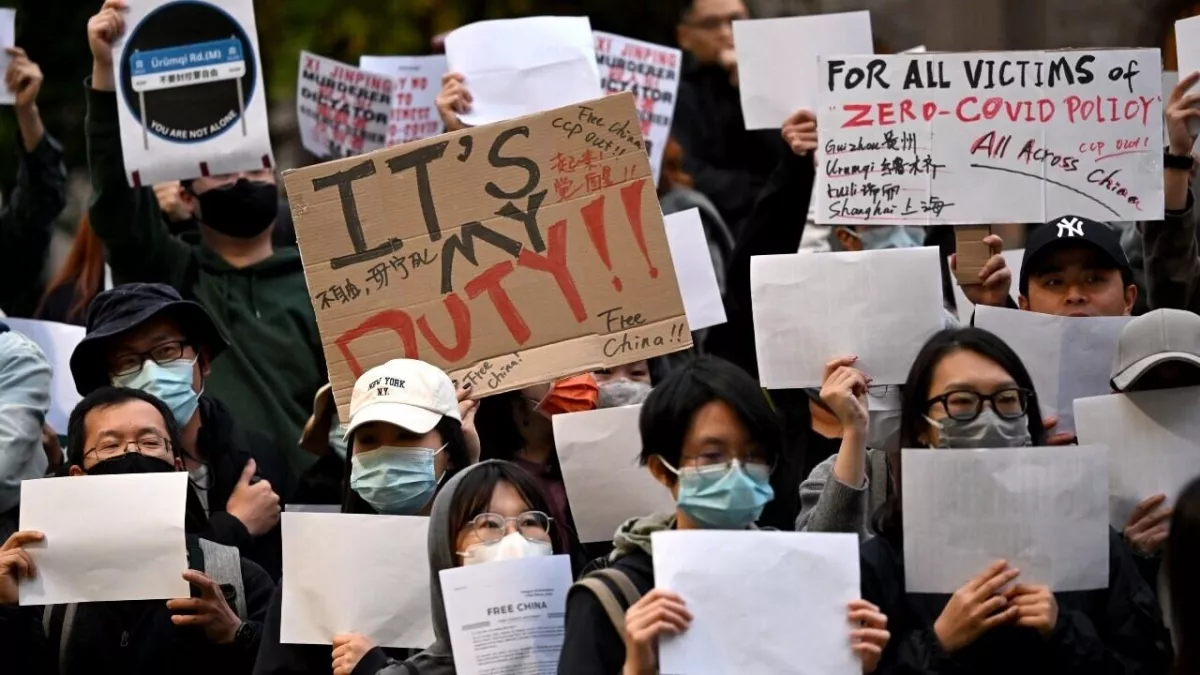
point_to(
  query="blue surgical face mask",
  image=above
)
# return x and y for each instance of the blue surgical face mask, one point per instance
(395, 481)
(723, 499)
(337, 439)
(888, 236)
(171, 384)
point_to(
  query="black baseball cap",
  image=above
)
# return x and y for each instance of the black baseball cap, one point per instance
(1067, 231)
(116, 312)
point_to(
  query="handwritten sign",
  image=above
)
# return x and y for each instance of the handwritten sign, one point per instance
(418, 79)
(990, 137)
(507, 254)
(343, 111)
(651, 73)
(190, 102)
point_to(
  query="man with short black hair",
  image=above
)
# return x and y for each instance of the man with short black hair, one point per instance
(146, 337)
(217, 630)
(1074, 266)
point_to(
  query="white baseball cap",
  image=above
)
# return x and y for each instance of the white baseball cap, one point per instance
(410, 394)
(1157, 337)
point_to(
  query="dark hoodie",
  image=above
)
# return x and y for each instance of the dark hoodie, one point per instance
(274, 363)
(592, 645)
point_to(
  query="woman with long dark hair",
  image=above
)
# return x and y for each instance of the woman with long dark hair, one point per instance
(967, 389)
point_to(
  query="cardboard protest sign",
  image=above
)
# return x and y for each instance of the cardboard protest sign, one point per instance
(651, 73)
(935, 139)
(190, 94)
(343, 111)
(417, 81)
(507, 254)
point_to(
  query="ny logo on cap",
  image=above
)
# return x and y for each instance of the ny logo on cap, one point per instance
(1070, 228)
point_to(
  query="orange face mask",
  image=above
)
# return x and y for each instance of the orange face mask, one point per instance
(568, 395)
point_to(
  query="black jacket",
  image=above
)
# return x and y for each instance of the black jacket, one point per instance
(228, 446)
(27, 223)
(1115, 631)
(130, 638)
(592, 645)
(727, 163)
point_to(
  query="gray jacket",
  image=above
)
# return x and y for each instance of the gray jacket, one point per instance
(829, 505)
(24, 401)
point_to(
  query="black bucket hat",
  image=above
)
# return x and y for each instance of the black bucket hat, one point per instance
(126, 307)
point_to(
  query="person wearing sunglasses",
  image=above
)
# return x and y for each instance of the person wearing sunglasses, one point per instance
(710, 437)
(967, 389)
(405, 443)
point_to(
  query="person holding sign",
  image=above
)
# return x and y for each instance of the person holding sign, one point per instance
(710, 437)
(41, 193)
(146, 337)
(1171, 247)
(256, 293)
(405, 440)
(968, 389)
(217, 630)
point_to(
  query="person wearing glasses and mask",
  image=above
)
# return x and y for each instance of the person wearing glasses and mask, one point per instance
(117, 430)
(405, 442)
(146, 337)
(489, 512)
(967, 389)
(710, 437)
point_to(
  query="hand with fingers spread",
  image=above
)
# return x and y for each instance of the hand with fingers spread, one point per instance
(1180, 110)
(800, 132)
(659, 612)
(16, 564)
(466, 411)
(1148, 526)
(1064, 438)
(977, 608)
(209, 612)
(869, 637)
(24, 78)
(453, 100)
(255, 504)
(1036, 607)
(348, 650)
(103, 29)
(845, 392)
(995, 279)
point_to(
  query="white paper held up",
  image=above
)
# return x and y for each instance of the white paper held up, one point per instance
(353, 573)
(809, 309)
(508, 616)
(108, 538)
(517, 67)
(1153, 440)
(8, 20)
(694, 269)
(1187, 48)
(762, 603)
(58, 342)
(1044, 510)
(598, 451)
(1067, 357)
(777, 60)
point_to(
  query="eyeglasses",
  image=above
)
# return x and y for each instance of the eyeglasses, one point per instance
(148, 444)
(965, 406)
(716, 22)
(718, 463)
(490, 527)
(167, 352)
(882, 390)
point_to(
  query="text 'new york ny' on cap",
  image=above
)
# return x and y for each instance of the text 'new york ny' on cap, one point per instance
(410, 394)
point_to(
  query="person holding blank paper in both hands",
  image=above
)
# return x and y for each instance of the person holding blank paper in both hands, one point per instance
(125, 431)
(711, 438)
(968, 390)
(405, 440)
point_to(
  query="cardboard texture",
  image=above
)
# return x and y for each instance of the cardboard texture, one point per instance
(972, 254)
(507, 254)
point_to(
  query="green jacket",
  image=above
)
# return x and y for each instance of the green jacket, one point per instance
(274, 364)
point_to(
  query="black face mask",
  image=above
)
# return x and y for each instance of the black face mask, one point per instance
(131, 462)
(241, 210)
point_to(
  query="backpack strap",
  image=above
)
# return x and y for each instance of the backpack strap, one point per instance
(57, 622)
(224, 565)
(608, 599)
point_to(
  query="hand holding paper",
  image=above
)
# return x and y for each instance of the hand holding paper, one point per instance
(976, 608)
(16, 564)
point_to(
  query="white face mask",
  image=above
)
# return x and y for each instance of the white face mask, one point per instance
(883, 431)
(511, 547)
